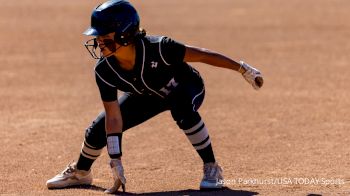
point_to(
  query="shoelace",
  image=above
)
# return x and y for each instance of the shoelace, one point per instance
(69, 169)
(209, 171)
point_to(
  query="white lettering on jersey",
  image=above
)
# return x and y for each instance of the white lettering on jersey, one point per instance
(169, 87)
(154, 64)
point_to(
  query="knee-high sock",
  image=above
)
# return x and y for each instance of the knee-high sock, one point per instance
(88, 155)
(200, 140)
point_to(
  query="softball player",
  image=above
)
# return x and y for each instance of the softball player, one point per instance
(153, 73)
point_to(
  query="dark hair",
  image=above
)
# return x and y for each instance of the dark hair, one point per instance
(141, 33)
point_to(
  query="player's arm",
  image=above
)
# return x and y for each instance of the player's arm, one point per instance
(113, 127)
(113, 116)
(195, 54)
(251, 74)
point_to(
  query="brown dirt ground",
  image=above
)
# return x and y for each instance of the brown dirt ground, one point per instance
(294, 130)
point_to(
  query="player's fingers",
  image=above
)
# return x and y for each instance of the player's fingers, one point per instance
(259, 81)
(115, 187)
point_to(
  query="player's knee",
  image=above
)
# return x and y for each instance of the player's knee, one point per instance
(95, 134)
(188, 121)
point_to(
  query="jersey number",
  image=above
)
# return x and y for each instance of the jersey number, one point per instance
(169, 87)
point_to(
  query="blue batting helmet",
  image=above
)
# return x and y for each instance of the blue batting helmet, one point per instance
(117, 16)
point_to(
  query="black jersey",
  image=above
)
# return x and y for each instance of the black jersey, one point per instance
(159, 69)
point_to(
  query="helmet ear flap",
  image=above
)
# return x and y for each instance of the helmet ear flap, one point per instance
(127, 36)
(121, 39)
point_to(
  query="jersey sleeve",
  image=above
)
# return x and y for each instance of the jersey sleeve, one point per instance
(107, 93)
(172, 52)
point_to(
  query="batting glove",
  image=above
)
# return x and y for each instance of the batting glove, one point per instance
(252, 75)
(118, 176)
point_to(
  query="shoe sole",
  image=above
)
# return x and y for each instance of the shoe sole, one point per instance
(67, 186)
(58, 186)
(210, 189)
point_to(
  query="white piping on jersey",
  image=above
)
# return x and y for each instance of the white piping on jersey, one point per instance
(104, 80)
(143, 65)
(100, 76)
(123, 78)
(195, 98)
(160, 51)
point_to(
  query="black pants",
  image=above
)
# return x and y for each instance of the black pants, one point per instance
(183, 103)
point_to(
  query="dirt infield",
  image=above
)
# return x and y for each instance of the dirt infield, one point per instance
(289, 138)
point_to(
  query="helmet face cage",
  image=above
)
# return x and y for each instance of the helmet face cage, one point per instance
(91, 46)
(117, 16)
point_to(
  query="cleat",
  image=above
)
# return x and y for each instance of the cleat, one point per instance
(71, 176)
(212, 177)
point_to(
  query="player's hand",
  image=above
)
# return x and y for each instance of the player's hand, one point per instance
(118, 176)
(252, 75)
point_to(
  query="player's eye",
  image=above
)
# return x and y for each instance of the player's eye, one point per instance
(108, 41)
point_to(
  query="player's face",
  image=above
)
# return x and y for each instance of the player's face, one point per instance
(107, 44)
